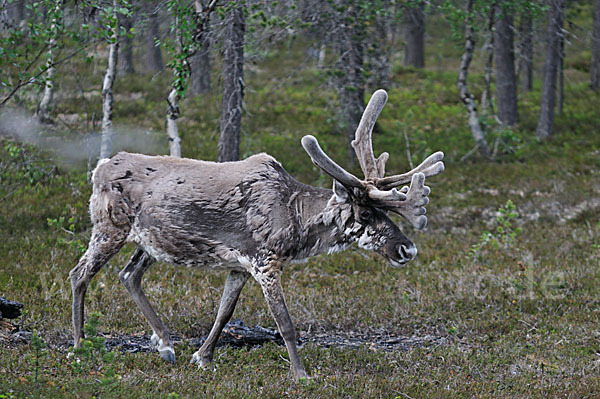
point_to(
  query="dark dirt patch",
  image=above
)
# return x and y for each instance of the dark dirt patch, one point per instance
(375, 341)
(237, 334)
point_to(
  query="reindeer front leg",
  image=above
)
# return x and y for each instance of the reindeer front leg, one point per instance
(269, 278)
(233, 286)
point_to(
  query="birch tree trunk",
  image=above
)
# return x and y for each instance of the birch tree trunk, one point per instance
(233, 86)
(545, 124)
(506, 78)
(595, 70)
(466, 96)
(172, 131)
(526, 53)
(322, 55)
(414, 35)
(48, 94)
(107, 98)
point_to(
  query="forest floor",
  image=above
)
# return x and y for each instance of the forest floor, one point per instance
(482, 312)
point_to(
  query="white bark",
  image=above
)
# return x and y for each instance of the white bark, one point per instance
(48, 94)
(466, 96)
(172, 116)
(322, 55)
(107, 99)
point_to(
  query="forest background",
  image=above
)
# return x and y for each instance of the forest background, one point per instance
(502, 300)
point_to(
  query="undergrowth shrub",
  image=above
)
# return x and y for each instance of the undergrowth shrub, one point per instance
(39, 353)
(22, 167)
(94, 365)
(504, 235)
(66, 228)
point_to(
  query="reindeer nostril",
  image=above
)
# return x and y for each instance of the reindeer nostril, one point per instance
(408, 253)
(403, 251)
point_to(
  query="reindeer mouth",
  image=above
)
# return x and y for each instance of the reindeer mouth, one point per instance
(396, 263)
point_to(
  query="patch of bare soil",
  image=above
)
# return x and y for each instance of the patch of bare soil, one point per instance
(237, 334)
(532, 205)
(374, 341)
(11, 335)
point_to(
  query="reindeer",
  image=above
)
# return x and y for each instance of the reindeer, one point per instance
(249, 217)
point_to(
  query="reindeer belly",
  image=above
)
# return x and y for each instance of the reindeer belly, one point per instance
(184, 247)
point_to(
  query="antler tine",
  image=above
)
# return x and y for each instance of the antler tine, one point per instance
(363, 145)
(431, 166)
(413, 209)
(381, 163)
(412, 205)
(319, 158)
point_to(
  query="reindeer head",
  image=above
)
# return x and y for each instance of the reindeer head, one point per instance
(376, 195)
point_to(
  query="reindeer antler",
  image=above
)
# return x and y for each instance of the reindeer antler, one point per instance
(319, 158)
(381, 191)
(412, 207)
(363, 144)
(431, 166)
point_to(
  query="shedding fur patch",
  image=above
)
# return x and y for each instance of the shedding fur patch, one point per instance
(100, 163)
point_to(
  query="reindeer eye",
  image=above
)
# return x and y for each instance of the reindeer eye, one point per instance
(365, 215)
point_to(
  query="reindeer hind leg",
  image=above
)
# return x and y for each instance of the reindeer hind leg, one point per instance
(131, 277)
(106, 241)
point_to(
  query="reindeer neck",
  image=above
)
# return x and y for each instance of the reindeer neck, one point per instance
(322, 221)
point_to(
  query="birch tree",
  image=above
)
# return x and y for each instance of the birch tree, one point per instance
(487, 105)
(109, 17)
(55, 15)
(190, 22)
(456, 15)
(30, 51)
(13, 13)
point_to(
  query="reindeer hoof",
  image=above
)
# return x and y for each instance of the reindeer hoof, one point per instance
(300, 376)
(155, 340)
(200, 360)
(168, 355)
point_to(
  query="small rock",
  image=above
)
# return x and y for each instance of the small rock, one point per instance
(9, 309)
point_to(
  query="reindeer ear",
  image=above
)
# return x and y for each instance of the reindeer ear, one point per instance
(342, 195)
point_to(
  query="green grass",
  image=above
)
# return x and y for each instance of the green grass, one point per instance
(515, 322)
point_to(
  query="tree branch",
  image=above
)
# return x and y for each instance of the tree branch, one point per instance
(33, 79)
